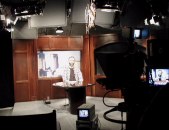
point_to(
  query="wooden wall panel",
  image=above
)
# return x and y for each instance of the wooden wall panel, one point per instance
(57, 92)
(75, 42)
(44, 88)
(33, 73)
(18, 45)
(22, 91)
(58, 43)
(86, 64)
(24, 81)
(92, 64)
(21, 81)
(21, 66)
(43, 43)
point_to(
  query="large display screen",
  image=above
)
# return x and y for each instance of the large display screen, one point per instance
(52, 63)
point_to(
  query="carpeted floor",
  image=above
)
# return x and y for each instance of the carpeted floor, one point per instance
(66, 120)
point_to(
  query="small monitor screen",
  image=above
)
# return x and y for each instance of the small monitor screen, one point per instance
(137, 33)
(83, 113)
(140, 33)
(158, 76)
(145, 33)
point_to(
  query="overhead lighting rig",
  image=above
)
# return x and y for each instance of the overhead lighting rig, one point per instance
(19, 10)
(32, 8)
(108, 5)
(25, 7)
(157, 14)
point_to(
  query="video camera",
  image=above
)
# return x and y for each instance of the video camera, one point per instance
(123, 64)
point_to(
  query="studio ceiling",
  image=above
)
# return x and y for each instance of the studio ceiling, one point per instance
(133, 13)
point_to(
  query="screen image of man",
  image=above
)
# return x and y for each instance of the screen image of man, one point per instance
(72, 75)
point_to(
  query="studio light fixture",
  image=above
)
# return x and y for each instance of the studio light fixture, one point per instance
(59, 30)
(157, 13)
(154, 20)
(108, 5)
(25, 7)
(9, 28)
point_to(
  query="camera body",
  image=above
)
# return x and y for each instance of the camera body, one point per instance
(123, 69)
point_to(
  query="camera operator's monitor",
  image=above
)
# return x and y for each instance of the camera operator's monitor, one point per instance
(83, 113)
(145, 33)
(140, 33)
(137, 33)
(86, 112)
(157, 76)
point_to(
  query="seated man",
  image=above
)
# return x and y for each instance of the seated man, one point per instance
(160, 77)
(72, 76)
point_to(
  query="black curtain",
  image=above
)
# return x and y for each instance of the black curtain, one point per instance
(6, 70)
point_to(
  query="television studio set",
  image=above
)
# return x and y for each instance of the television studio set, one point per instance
(84, 64)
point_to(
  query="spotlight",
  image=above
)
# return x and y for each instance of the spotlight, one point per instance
(59, 30)
(154, 20)
(25, 7)
(108, 6)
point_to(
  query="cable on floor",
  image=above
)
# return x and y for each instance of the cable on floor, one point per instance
(104, 99)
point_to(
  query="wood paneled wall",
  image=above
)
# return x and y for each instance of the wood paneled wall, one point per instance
(27, 85)
(24, 74)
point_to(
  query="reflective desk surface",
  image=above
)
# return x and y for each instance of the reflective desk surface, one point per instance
(64, 85)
